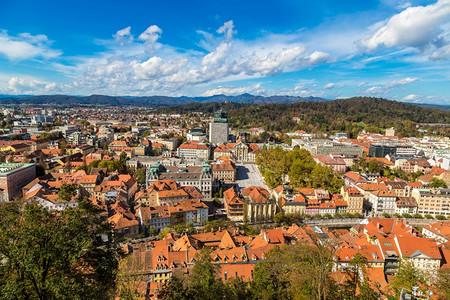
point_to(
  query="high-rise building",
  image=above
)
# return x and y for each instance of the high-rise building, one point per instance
(218, 128)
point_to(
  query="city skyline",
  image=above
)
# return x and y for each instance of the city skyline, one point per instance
(392, 49)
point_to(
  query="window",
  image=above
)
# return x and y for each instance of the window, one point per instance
(251, 274)
(225, 275)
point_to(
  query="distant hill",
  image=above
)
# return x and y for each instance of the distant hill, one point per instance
(150, 100)
(435, 106)
(343, 115)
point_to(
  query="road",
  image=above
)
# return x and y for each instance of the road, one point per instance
(248, 175)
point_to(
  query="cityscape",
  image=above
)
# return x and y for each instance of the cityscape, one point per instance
(265, 160)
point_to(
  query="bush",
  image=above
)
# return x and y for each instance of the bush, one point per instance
(417, 216)
(386, 215)
(428, 216)
(440, 217)
(397, 215)
(357, 215)
(405, 215)
(347, 215)
(328, 216)
(337, 216)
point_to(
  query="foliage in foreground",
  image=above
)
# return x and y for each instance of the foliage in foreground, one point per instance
(65, 255)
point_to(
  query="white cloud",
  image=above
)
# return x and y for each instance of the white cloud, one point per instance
(17, 86)
(404, 81)
(318, 57)
(233, 91)
(151, 34)
(419, 27)
(26, 46)
(404, 5)
(387, 87)
(442, 53)
(410, 97)
(375, 90)
(227, 29)
(143, 65)
(329, 86)
(124, 36)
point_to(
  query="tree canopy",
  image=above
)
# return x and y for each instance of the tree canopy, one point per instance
(278, 165)
(66, 255)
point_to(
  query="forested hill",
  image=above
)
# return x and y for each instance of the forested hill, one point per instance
(343, 115)
(148, 100)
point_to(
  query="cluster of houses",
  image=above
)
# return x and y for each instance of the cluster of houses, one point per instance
(384, 243)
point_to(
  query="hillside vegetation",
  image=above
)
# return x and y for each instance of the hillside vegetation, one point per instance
(344, 115)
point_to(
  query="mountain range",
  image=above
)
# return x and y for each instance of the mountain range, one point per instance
(150, 100)
(165, 100)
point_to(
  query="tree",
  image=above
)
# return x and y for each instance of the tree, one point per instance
(443, 282)
(202, 283)
(354, 287)
(299, 271)
(437, 183)
(67, 191)
(71, 254)
(406, 278)
(140, 175)
(128, 281)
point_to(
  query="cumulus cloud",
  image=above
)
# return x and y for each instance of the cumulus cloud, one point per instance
(26, 46)
(418, 27)
(17, 86)
(145, 66)
(151, 34)
(329, 86)
(233, 91)
(124, 36)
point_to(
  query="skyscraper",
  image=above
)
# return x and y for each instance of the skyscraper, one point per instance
(218, 128)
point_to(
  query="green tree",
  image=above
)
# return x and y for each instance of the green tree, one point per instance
(406, 278)
(443, 282)
(299, 271)
(437, 183)
(354, 288)
(68, 255)
(202, 283)
(67, 191)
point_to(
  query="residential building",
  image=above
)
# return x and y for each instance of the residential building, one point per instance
(383, 202)
(354, 199)
(440, 231)
(13, 177)
(224, 170)
(432, 201)
(194, 150)
(197, 176)
(234, 205)
(405, 205)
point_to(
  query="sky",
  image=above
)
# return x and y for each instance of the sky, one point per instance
(395, 49)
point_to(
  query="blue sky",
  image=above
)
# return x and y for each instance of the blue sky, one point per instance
(395, 49)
